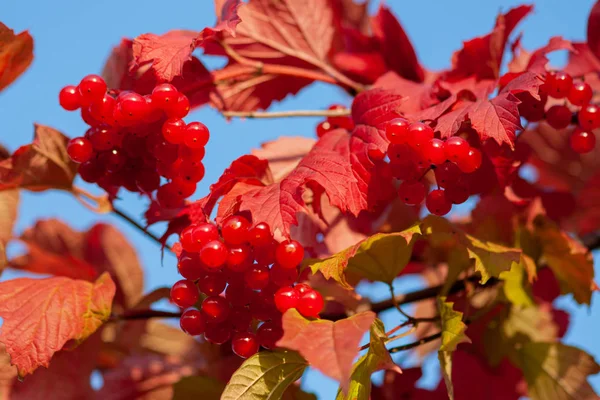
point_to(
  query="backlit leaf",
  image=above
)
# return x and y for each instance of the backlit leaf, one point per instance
(198, 387)
(16, 54)
(516, 285)
(445, 359)
(9, 203)
(453, 327)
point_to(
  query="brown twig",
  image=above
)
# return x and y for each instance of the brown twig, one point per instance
(139, 227)
(284, 114)
(143, 314)
(419, 342)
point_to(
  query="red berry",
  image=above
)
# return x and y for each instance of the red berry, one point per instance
(558, 84)
(286, 298)
(216, 309)
(173, 130)
(580, 94)
(341, 121)
(164, 95)
(80, 150)
(238, 259)
(91, 171)
(183, 187)
(268, 334)
(113, 160)
(289, 254)
(257, 277)
(397, 131)
(589, 117)
(217, 334)
(189, 267)
(133, 107)
(471, 162)
(412, 193)
(192, 322)
(213, 254)
(166, 152)
(204, 233)
(457, 193)
(196, 135)
(178, 109)
(437, 203)
(447, 174)
(187, 242)
(104, 138)
(69, 98)
(153, 113)
(456, 148)
(530, 108)
(166, 195)
(260, 235)
(244, 344)
(103, 110)
(147, 180)
(191, 171)
(238, 295)
(266, 254)
(419, 134)
(283, 276)
(184, 293)
(323, 128)
(212, 284)
(302, 288)
(191, 155)
(558, 117)
(582, 141)
(240, 319)
(235, 229)
(310, 304)
(433, 152)
(91, 89)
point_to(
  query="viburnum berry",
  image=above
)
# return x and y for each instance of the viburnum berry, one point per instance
(582, 141)
(196, 135)
(235, 229)
(266, 254)
(558, 117)
(184, 293)
(447, 174)
(217, 333)
(192, 322)
(167, 197)
(530, 108)
(412, 193)
(204, 233)
(589, 117)
(69, 98)
(456, 148)
(470, 162)
(238, 258)
(238, 294)
(289, 254)
(80, 149)
(91, 171)
(457, 193)
(215, 308)
(580, 93)
(397, 131)
(302, 288)
(433, 152)
(310, 304)
(419, 134)
(191, 171)
(257, 277)
(178, 109)
(283, 276)
(286, 298)
(173, 130)
(268, 334)
(183, 187)
(260, 235)
(437, 203)
(91, 88)
(341, 121)
(189, 267)
(244, 344)
(240, 319)
(212, 284)
(103, 109)
(323, 128)
(104, 138)
(214, 254)
(558, 84)
(188, 154)
(164, 95)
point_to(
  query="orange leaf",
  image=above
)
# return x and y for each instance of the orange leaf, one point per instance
(16, 53)
(42, 315)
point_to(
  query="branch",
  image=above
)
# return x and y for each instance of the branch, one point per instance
(139, 227)
(131, 315)
(412, 345)
(283, 114)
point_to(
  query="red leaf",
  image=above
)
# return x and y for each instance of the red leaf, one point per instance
(593, 30)
(415, 96)
(328, 346)
(41, 315)
(362, 67)
(41, 165)
(16, 54)
(537, 61)
(284, 154)
(227, 15)
(583, 61)
(395, 46)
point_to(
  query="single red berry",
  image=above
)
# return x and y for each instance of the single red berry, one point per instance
(191, 171)
(104, 138)
(433, 152)
(154, 113)
(164, 95)
(244, 344)
(196, 135)
(216, 309)
(166, 195)
(455, 148)
(283, 276)
(240, 319)
(80, 149)
(212, 284)
(187, 242)
(87, 117)
(558, 84)
(238, 259)
(589, 117)
(113, 160)
(419, 134)
(558, 117)
(437, 203)
(323, 128)
(217, 334)
(286, 298)
(257, 277)
(183, 187)
(168, 170)
(397, 131)
(213, 254)
(310, 304)
(192, 322)
(412, 193)
(530, 108)
(184, 293)
(179, 108)
(289, 254)
(204, 233)
(235, 229)
(266, 254)
(302, 288)
(189, 267)
(173, 130)
(103, 109)
(457, 193)
(447, 174)
(133, 108)
(91, 89)
(238, 295)
(471, 162)
(341, 121)
(91, 171)
(147, 180)
(582, 141)
(166, 152)
(69, 98)
(580, 94)
(268, 334)
(191, 155)
(260, 235)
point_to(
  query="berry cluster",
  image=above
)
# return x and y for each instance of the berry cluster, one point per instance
(413, 151)
(240, 277)
(332, 123)
(134, 140)
(560, 85)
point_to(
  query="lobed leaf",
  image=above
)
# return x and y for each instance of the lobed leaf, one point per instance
(16, 54)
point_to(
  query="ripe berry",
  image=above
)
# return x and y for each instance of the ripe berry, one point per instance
(412, 193)
(238, 295)
(530, 108)
(184, 293)
(558, 84)
(91, 171)
(266, 254)
(471, 162)
(244, 344)
(147, 180)
(104, 138)
(189, 267)
(187, 242)
(217, 334)
(216, 309)
(192, 322)
(558, 117)
(113, 160)
(456, 148)
(91, 89)
(397, 131)
(191, 155)
(447, 174)
(166, 195)
(183, 187)
(589, 117)
(204, 233)
(69, 98)
(341, 121)
(582, 141)
(238, 258)
(323, 128)
(419, 134)
(268, 334)
(433, 152)
(213, 254)
(191, 171)
(212, 284)
(133, 108)
(173, 130)
(457, 193)
(240, 319)
(580, 94)
(302, 288)
(257, 277)
(437, 203)
(164, 95)
(260, 235)
(178, 109)
(235, 229)
(289, 254)
(283, 276)
(196, 135)
(310, 304)
(286, 298)
(103, 109)
(80, 150)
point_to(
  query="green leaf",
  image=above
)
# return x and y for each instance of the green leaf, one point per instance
(377, 358)
(453, 328)
(198, 387)
(516, 286)
(380, 257)
(265, 375)
(445, 358)
(555, 371)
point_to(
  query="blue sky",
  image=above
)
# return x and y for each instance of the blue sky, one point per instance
(73, 38)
